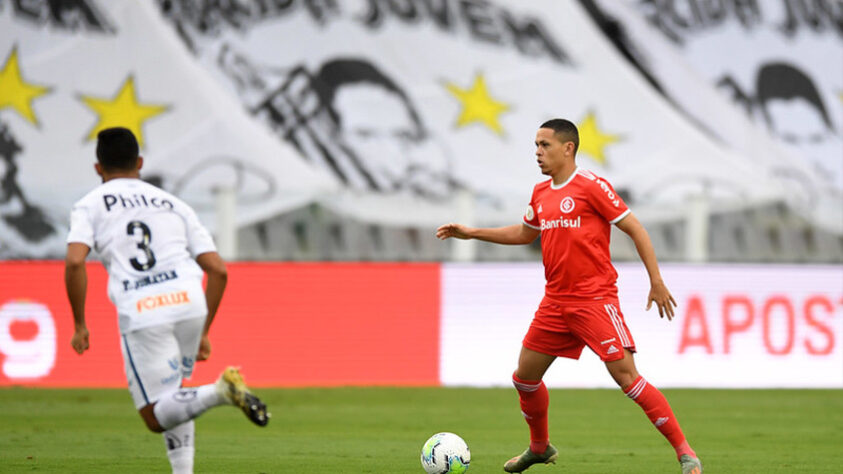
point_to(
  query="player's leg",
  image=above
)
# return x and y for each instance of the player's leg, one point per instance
(534, 400)
(540, 348)
(604, 330)
(183, 404)
(656, 407)
(533, 395)
(621, 367)
(176, 405)
(152, 368)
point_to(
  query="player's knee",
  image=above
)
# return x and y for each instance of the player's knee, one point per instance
(624, 381)
(623, 376)
(147, 413)
(154, 426)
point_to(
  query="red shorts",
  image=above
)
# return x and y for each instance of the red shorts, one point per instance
(564, 329)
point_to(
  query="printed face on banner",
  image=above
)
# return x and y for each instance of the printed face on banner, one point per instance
(391, 139)
(344, 100)
(21, 220)
(351, 118)
(784, 68)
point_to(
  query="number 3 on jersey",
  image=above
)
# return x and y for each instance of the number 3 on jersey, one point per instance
(145, 238)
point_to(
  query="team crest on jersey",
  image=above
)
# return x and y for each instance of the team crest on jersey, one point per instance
(530, 214)
(567, 204)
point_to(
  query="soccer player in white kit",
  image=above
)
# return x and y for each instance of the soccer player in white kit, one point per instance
(155, 251)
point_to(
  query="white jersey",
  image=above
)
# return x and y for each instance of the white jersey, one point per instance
(148, 240)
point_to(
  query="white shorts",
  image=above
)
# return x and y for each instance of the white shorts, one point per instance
(157, 358)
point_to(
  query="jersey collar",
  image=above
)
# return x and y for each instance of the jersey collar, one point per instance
(570, 178)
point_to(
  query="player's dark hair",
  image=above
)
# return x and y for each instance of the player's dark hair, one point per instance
(565, 131)
(117, 149)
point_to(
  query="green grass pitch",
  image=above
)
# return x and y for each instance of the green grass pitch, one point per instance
(381, 430)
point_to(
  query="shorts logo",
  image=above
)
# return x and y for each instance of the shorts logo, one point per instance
(567, 204)
(612, 350)
(173, 442)
(165, 299)
(185, 395)
(173, 378)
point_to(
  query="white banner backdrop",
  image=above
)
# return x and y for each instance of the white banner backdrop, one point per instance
(407, 102)
(736, 326)
(778, 63)
(69, 69)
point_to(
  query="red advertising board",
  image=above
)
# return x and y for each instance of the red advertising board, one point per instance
(284, 324)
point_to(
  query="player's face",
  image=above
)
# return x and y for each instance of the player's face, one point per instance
(550, 151)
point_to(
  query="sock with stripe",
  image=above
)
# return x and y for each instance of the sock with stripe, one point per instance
(185, 404)
(651, 400)
(534, 404)
(180, 449)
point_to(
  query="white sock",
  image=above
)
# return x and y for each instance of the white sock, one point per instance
(180, 448)
(184, 404)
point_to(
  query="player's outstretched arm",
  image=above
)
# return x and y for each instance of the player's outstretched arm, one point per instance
(510, 235)
(76, 284)
(658, 290)
(214, 266)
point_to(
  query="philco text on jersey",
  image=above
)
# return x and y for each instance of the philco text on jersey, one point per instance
(135, 200)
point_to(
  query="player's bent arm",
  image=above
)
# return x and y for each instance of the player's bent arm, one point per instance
(517, 234)
(632, 227)
(76, 284)
(658, 290)
(214, 266)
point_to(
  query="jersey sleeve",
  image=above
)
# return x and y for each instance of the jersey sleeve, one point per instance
(81, 226)
(199, 240)
(531, 217)
(607, 202)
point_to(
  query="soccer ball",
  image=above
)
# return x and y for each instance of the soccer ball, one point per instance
(445, 453)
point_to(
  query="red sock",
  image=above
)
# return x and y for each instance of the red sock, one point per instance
(651, 400)
(534, 403)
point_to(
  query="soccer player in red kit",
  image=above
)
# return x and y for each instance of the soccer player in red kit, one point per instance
(573, 211)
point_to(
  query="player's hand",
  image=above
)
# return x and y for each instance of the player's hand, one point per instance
(452, 230)
(79, 341)
(663, 299)
(204, 348)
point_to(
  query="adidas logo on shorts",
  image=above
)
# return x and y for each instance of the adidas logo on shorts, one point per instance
(612, 350)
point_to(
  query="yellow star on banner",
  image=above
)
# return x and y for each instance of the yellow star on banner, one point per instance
(593, 140)
(15, 92)
(123, 110)
(478, 105)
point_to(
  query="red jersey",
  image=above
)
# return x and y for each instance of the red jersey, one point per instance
(575, 220)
